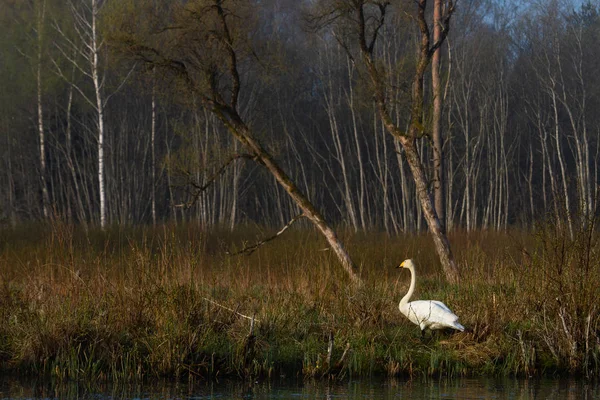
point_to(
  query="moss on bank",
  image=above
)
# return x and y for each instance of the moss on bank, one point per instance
(167, 302)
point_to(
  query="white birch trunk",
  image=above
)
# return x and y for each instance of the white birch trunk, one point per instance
(94, 49)
(41, 12)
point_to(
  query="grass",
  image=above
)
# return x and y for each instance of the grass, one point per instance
(139, 303)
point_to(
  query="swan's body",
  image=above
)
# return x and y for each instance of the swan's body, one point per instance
(430, 314)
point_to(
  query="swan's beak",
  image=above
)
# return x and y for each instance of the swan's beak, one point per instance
(401, 265)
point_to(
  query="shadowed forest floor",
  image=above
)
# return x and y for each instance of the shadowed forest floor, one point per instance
(134, 303)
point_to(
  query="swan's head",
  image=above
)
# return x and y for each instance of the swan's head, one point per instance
(408, 263)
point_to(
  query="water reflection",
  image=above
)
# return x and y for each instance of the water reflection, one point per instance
(479, 388)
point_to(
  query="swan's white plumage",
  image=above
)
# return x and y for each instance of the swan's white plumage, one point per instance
(431, 314)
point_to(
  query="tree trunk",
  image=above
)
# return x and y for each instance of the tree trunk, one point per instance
(42, 143)
(238, 128)
(40, 114)
(222, 101)
(100, 108)
(440, 240)
(153, 151)
(438, 157)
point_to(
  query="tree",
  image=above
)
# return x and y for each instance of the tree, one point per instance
(83, 52)
(207, 50)
(31, 18)
(368, 18)
(40, 16)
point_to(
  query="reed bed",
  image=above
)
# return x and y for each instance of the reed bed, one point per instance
(130, 304)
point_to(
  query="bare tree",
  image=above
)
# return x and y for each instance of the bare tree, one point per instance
(415, 129)
(519, 137)
(37, 58)
(205, 60)
(83, 52)
(368, 18)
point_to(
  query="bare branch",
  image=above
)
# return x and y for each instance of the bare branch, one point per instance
(201, 188)
(382, 9)
(445, 28)
(60, 73)
(251, 249)
(118, 89)
(235, 77)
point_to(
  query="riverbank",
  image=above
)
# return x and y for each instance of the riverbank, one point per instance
(168, 302)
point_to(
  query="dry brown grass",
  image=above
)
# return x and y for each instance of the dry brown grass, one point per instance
(168, 301)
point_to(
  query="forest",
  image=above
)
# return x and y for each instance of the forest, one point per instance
(89, 136)
(148, 149)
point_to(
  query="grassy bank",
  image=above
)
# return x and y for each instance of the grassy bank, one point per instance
(167, 302)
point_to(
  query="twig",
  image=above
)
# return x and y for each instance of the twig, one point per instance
(251, 249)
(252, 319)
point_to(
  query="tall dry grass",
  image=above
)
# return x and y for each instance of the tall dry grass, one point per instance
(134, 303)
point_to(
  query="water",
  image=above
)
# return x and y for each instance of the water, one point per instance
(373, 389)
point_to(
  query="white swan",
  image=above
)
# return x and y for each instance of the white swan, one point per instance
(430, 314)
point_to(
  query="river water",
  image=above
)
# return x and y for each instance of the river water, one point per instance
(479, 388)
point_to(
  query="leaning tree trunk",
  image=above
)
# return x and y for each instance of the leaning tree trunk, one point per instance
(242, 132)
(222, 101)
(442, 245)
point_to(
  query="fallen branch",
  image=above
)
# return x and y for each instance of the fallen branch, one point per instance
(251, 249)
(252, 319)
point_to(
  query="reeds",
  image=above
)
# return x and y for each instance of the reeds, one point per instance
(129, 304)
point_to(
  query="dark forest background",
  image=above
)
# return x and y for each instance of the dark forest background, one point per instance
(521, 120)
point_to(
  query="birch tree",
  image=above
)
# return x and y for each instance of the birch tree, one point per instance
(30, 41)
(84, 52)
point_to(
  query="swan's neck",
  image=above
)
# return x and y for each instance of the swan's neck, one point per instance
(411, 289)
